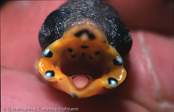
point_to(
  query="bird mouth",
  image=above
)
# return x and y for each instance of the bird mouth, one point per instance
(82, 61)
(84, 67)
(83, 70)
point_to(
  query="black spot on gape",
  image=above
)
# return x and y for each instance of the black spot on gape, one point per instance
(73, 56)
(97, 53)
(117, 61)
(70, 50)
(47, 53)
(112, 81)
(50, 73)
(90, 35)
(84, 47)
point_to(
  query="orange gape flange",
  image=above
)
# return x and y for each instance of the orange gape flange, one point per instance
(82, 43)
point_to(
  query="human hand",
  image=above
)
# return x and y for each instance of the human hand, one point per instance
(150, 66)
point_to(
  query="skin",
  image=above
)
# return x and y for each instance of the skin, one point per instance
(150, 64)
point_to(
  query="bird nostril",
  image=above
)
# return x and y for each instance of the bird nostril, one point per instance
(89, 33)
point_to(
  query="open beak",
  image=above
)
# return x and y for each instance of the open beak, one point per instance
(82, 63)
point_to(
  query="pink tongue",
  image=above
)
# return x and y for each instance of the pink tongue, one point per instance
(80, 81)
